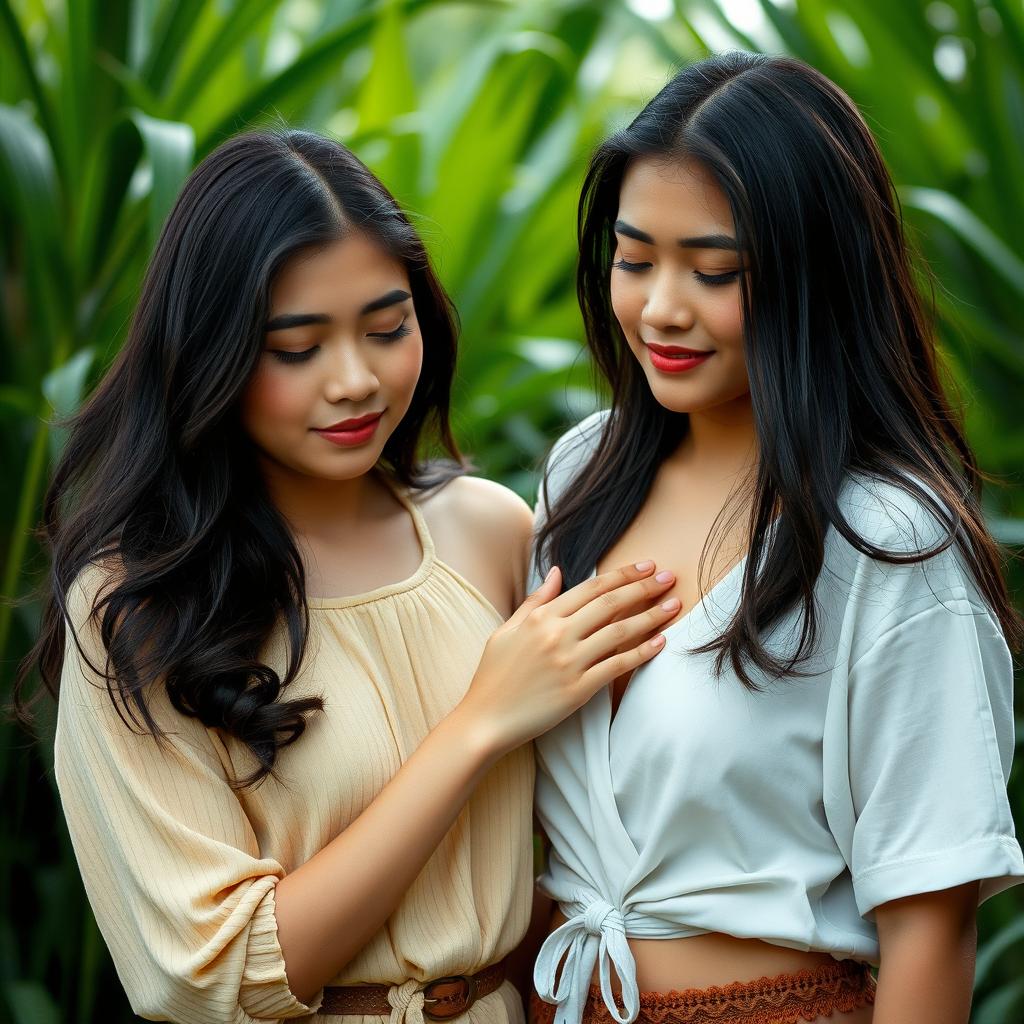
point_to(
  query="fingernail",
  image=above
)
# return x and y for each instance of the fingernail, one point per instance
(670, 605)
(664, 576)
(657, 641)
(551, 572)
(644, 566)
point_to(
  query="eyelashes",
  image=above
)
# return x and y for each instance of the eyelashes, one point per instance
(714, 280)
(293, 357)
(711, 280)
(631, 268)
(385, 337)
(399, 332)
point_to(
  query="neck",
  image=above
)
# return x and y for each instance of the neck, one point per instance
(315, 506)
(720, 440)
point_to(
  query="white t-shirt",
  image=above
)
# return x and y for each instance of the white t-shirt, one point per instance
(785, 815)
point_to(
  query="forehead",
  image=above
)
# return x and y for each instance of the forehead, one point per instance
(672, 199)
(339, 276)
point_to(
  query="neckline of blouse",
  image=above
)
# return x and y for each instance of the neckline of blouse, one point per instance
(390, 589)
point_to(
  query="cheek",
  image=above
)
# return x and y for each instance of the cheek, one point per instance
(274, 397)
(627, 303)
(403, 364)
(723, 318)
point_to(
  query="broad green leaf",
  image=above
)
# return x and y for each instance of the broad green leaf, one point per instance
(1002, 1005)
(235, 25)
(170, 34)
(15, 39)
(990, 951)
(970, 229)
(30, 1003)
(502, 112)
(389, 89)
(1011, 533)
(313, 66)
(388, 93)
(17, 401)
(29, 190)
(63, 388)
(170, 150)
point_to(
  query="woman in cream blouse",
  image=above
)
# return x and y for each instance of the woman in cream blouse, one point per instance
(292, 743)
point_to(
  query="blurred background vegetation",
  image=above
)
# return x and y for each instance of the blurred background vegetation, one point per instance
(479, 115)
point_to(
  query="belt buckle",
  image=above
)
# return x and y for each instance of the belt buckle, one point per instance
(445, 1005)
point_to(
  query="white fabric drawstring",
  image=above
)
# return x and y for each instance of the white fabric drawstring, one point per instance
(406, 1002)
(597, 934)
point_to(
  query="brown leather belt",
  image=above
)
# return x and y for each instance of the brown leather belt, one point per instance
(443, 998)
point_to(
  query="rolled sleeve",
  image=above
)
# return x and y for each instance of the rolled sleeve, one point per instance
(170, 862)
(930, 740)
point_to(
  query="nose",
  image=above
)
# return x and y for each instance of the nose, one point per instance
(667, 306)
(349, 376)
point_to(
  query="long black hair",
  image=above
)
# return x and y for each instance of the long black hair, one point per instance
(158, 478)
(839, 349)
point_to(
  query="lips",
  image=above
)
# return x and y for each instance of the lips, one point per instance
(676, 358)
(355, 424)
(354, 432)
(676, 350)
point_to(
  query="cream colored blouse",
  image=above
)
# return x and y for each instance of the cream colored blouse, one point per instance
(180, 868)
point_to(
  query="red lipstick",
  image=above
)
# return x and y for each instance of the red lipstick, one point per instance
(349, 433)
(675, 358)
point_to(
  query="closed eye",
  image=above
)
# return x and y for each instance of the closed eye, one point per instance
(632, 268)
(713, 280)
(399, 332)
(293, 357)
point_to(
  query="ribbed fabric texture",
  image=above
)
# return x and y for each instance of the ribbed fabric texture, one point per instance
(180, 869)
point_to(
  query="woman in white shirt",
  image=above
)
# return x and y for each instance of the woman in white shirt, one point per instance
(811, 779)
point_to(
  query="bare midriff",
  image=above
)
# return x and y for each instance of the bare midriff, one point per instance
(699, 961)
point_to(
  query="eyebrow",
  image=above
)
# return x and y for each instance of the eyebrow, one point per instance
(719, 241)
(287, 320)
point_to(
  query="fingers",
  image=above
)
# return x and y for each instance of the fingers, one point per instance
(549, 589)
(617, 665)
(617, 604)
(626, 634)
(589, 590)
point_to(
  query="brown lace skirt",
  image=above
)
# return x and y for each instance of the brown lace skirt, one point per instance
(841, 987)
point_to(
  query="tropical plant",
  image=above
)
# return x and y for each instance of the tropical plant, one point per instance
(480, 115)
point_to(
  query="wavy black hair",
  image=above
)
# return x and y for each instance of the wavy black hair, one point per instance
(839, 348)
(158, 477)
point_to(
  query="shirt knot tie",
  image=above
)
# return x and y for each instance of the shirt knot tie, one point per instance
(600, 915)
(594, 933)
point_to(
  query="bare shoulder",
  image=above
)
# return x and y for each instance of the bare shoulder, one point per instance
(477, 501)
(483, 530)
(483, 509)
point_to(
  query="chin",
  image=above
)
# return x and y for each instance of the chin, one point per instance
(349, 467)
(681, 397)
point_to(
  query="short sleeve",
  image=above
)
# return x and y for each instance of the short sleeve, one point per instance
(568, 456)
(930, 737)
(170, 862)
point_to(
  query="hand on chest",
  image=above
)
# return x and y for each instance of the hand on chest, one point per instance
(682, 530)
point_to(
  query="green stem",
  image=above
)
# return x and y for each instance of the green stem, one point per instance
(27, 511)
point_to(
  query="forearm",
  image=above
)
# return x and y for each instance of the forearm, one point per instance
(927, 964)
(330, 907)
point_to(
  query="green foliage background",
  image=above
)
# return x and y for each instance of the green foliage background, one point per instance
(479, 115)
